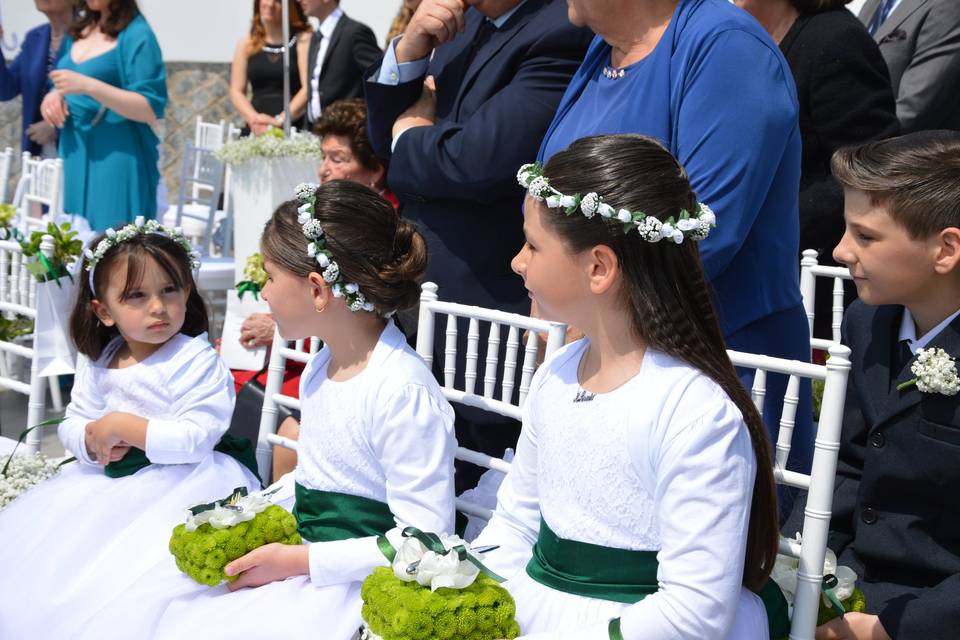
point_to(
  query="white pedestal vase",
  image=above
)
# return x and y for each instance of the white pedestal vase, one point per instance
(258, 186)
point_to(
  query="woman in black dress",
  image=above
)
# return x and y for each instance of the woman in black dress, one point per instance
(258, 63)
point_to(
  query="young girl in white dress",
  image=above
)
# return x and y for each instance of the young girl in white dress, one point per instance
(640, 503)
(149, 404)
(376, 440)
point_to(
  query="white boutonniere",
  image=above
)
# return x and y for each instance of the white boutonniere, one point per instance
(936, 372)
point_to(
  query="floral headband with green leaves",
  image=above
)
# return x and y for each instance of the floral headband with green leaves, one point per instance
(140, 226)
(317, 248)
(695, 226)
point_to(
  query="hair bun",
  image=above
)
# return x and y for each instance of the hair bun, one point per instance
(405, 268)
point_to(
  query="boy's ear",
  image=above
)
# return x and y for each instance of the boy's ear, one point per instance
(603, 268)
(319, 291)
(948, 252)
(102, 313)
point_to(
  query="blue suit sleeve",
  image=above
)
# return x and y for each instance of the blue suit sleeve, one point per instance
(473, 158)
(733, 129)
(10, 77)
(142, 69)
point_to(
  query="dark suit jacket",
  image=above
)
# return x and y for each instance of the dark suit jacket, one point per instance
(458, 177)
(27, 76)
(845, 99)
(352, 49)
(896, 508)
(920, 41)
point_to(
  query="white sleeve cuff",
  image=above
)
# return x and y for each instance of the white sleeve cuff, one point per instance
(177, 442)
(341, 561)
(72, 433)
(393, 73)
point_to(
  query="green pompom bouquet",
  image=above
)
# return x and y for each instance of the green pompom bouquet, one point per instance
(218, 533)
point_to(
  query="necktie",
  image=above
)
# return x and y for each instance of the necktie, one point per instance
(883, 12)
(902, 357)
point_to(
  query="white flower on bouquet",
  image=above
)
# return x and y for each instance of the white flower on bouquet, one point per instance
(589, 204)
(785, 575)
(435, 570)
(24, 471)
(936, 372)
(239, 509)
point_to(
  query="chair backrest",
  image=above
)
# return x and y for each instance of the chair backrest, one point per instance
(18, 297)
(233, 132)
(210, 136)
(40, 184)
(507, 335)
(819, 483)
(6, 169)
(200, 168)
(810, 270)
(280, 352)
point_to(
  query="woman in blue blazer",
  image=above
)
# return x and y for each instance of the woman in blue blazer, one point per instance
(27, 74)
(704, 77)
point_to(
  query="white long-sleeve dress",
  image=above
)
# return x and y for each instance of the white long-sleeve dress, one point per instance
(72, 545)
(664, 463)
(384, 435)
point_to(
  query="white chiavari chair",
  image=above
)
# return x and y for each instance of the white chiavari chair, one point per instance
(810, 270)
(819, 482)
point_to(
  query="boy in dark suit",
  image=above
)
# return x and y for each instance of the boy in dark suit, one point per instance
(896, 510)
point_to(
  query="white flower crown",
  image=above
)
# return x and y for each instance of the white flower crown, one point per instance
(306, 193)
(694, 226)
(129, 232)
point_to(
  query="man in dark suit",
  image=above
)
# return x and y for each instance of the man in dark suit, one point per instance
(920, 40)
(340, 51)
(499, 69)
(895, 517)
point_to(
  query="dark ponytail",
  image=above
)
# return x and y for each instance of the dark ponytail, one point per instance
(665, 289)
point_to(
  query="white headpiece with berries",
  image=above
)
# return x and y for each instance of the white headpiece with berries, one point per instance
(695, 226)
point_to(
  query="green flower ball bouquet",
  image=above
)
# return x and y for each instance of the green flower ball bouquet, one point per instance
(436, 588)
(218, 533)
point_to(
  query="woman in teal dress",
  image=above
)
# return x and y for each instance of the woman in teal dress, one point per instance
(109, 87)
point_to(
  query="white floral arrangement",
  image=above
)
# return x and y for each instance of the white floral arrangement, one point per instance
(936, 372)
(695, 226)
(306, 193)
(453, 568)
(244, 150)
(844, 593)
(23, 471)
(236, 509)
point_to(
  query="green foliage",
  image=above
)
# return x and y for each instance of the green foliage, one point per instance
(7, 213)
(11, 328)
(202, 554)
(817, 398)
(398, 610)
(855, 603)
(66, 248)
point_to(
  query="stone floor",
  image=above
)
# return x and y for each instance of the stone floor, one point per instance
(13, 420)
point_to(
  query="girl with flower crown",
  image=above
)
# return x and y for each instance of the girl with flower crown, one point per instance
(641, 501)
(376, 440)
(149, 405)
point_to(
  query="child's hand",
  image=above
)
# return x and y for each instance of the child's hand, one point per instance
(101, 438)
(118, 451)
(269, 563)
(853, 626)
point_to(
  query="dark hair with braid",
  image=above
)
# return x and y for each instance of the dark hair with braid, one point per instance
(664, 287)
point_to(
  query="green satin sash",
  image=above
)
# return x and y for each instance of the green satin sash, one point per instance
(240, 449)
(323, 516)
(620, 575)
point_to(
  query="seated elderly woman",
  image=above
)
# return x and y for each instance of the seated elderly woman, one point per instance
(347, 155)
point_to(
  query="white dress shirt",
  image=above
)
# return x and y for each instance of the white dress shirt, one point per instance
(908, 330)
(326, 30)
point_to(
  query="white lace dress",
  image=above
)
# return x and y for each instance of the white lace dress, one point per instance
(387, 435)
(664, 463)
(73, 545)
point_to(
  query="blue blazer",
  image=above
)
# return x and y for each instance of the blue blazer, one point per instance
(27, 75)
(457, 179)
